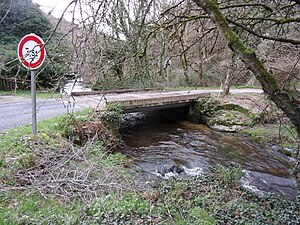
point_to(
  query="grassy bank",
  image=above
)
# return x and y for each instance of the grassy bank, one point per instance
(208, 88)
(47, 179)
(282, 134)
(27, 93)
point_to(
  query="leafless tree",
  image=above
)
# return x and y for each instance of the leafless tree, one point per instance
(283, 97)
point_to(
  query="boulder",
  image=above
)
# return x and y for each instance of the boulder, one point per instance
(225, 117)
(223, 128)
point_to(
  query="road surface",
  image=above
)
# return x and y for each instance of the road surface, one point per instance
(16, 111)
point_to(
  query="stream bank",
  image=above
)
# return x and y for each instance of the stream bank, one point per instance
(48, 179)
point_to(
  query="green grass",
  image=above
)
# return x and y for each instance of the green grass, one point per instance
(192, 88)
(284, 135)
(200, 200)
(209, 88)
(27, 93)
(34, 209)
(12, 143)
(16, 207)
(242, 87)
(10, 140)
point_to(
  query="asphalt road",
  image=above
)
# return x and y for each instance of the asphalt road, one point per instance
(16, 111)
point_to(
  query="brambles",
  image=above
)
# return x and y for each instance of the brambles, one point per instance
(205, 107)
(93, 126)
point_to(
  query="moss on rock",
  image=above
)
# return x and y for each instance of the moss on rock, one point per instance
(231, 117)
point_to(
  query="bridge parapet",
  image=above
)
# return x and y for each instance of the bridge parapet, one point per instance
(158, 102)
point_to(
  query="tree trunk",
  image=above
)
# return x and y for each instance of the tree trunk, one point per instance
(228, 78)
(201, 65)
(200, 73)
(185, 68)
(226, 85)
(279, 96)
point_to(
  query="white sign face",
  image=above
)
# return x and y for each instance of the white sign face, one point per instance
(31, 51)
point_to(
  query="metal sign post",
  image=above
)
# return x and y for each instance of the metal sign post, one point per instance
(33, 101)
(32, 53)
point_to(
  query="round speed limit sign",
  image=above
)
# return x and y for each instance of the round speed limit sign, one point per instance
(31, 51)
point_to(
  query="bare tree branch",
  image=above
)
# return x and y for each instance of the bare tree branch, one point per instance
(267, 8)
(285, 40)
(276, 21)
(6, 11)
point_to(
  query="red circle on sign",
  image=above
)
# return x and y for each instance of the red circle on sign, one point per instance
(39, 42)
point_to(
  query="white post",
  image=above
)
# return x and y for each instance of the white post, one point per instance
(33, 101)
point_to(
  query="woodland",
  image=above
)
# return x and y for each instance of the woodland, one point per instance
(155, 43)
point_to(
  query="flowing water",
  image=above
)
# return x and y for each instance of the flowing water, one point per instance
(163, 149)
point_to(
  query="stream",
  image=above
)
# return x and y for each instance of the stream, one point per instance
(160, 149)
